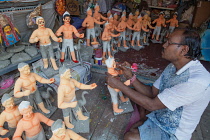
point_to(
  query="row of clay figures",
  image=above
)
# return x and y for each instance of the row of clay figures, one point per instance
(22, 118)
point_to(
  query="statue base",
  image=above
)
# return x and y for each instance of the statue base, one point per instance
(127, 106)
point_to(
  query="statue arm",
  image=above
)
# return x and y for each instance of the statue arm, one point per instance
(77, 33)
(168, 21)
(98, 22)
(177, 25)
(17, 89)
(129, 27)
(83, 86)
(44, 119)
(59, 31)
(2, 120)
(144, 29)
(41, 79)
(18, 132)
(150, 26)
(84, 23)
(154, 21)
(104, 18)
(53, 36)
(115, 35)
(34, 38)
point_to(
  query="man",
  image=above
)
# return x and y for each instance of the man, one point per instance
(43, 34)
(179, 96)
(67, 29)
(61, 133)
(25, 86)
(30, 123)
(159, 23)
(66, 96)
(11, 115)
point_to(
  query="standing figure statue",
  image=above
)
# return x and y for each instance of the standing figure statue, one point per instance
(67, 29)
(146, 23)
(66, 96)
(130, 23)
(173, 23)
(61, 133)
(43, 34)
(25, 86)
(30, 123)
(11, 115)
(159, 22)
(89, 23)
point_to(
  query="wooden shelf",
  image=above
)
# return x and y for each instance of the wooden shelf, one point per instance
(164, 8)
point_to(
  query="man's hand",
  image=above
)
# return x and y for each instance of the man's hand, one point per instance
(51, 80)
(113, 81)
(73, 104)
(92, 86)
(126, 71)
(4, 132)
(26, 92)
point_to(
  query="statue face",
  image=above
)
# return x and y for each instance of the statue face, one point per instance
(175, 16)
(115, 17)
(61, 132)
(41, 22)
(123, 18)
(111, 20)
(67, 20)
(9, 104)
(89, 12)
(97, 8)
(7, 30)
(25, 70)
(67, 74)
(137, 13)
(130, 16)
(27, 112)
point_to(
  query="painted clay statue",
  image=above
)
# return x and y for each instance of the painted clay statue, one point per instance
(111, 65)
(25, 86)
(66, 96)
(159, 22)
(11, 115)
(137, 29)
(146, 23)
(67, 29)
(116, 22)
(173, 23)
(61, 133)
(43, 35)
(136, 15)
(89, 23)
(30, 123)
(130, 23)
(106, 37)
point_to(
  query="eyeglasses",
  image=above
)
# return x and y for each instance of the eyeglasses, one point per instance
(167, 43)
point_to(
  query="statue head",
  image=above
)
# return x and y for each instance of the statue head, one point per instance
(124, 12)
(175, 15)
(7, 101)
(123, 17)
(109, 13)
(24, 68)
(161, 14)
(137, 12)
(58, 128)
(130, 16)
(64, 73)
(139, 18)
(111, 19)
(96, 8)
(40, 21)
(66, 18)
(89, 11)
(115, 16)
(110, 62)
(25, 109)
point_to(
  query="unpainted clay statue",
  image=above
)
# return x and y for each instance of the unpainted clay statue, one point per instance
(159, 22)
(67, 29)
(30, 123)
(173, 23)
(11, 115)
(106, 37)
(116, 22)
(43, 34)
(25, 86)
(61, 133)
(111, 65)
(130, 23)
(146, 23)
(137, 29)
(136, 15)
(66, 96)
(89, 23)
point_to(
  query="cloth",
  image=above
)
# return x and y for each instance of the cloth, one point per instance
(47, 50)
(136, 35)
(186, 94)
(90, 32)
(171, 29)
(106, 46)
(157, 30)
(68, 43)
(40, 136)
(113, 95)
(33, 97)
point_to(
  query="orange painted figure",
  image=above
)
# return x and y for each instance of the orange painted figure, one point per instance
(159, 22)
(173, 23)
(89, 23)
(43, 35)
(30, 123)
(136, 15)
(25, 86)
(11, 115)
(146, 23)
(66, 96)
(130, 23)
(67, 29)
(61, 133)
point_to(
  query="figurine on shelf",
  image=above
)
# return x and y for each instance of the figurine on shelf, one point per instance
(11, 115)
(146, 23)
(111, 65)
(89, 23)
(136, 15)
(116, 22)
(30, 123)
(106, 37)
(159, 22)
(66, 96)
(67, 29)
(61, 133)
(137, 29)
(130, 23)
(43, 34)
(25, 86)
(173, 23)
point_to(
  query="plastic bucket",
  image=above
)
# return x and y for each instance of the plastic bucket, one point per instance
(98, 61)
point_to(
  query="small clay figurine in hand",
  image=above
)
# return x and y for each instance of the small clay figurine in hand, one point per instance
(66, 96)
(173, 23)
(67, 29)
(30, 123)
(11, 115)
(89, 23)
(25, 86)
(61, 133)
(43, 34)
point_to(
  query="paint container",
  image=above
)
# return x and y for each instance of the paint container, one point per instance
(98, 53)
(98, 61)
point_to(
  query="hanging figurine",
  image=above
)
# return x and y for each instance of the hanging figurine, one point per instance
(43, 34)
(89, 23)
(173, 23)
(67, 29)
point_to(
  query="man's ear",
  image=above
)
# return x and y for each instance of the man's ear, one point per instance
(185, 50)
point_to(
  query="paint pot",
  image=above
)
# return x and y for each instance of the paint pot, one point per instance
(98, 61)
(98, 53)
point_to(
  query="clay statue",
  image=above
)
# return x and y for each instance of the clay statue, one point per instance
(67, 29)
(130, 23)
(136, 15)
(61, 133)
(111, 65)
(146, 23)
(106, 37)
(116, 22)
(30, 123)
(66, 96)
(159, 22)
(89, 23)
(11, 115)
(43, 35)
(173, 23)
(25, 86)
